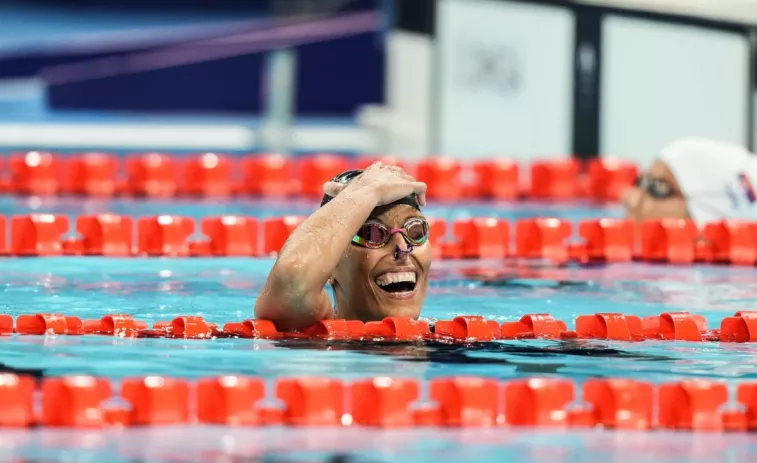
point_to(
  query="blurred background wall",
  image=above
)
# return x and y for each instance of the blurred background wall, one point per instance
(467, 78)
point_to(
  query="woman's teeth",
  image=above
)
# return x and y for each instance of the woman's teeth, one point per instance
(399, 277)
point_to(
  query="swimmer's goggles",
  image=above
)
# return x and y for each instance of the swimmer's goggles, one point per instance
(657, 188)
(374, 235)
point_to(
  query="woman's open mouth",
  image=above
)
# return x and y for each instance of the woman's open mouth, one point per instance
(400, 285)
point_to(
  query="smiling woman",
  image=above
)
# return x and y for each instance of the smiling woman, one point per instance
(369, 241)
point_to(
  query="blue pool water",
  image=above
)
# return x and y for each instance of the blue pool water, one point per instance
(224, 290)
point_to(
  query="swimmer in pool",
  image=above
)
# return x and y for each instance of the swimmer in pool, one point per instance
(697, 178)
(368, 241)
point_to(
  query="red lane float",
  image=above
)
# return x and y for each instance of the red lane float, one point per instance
(230, 401)
(555, 179)
(92, 174)
(669, 326)
(384, 402)
(467, 402)
(311, 401)
(732, 242)
(487, 238)
(612, 326)
(534, 326)
(538, 402)
(692, 405)
(35, 173)
(542, 238)
(669, 240)
(208, 174)
(151, 175)
(268, 175)
(498, 179)
(457, 402)
(165, 235)
(621, 403)
(38, 234)
(231, 235)
(106, 234)
(442, 176)
(156, 400)
(16, 401)
(608, 240)
(276, 231)
(468, 328)
(75, 401)
(609, 178)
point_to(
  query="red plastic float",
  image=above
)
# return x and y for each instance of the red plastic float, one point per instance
(534, 326)
(497, 179)
(207, 174)
(542, 238)
(464, 401)
(483, 238)
(469, 328)
(230, 400)
(276, 231)
(106, 234)
(399, 328)
(742, 327)
(151, 175)
(311, 401)
(156, 400)
(165, 235)
(35, 173)
(384, 402)
(38, 234)
(92, 174)
(669, 240)
(16, 401)
(538, 402)
(732, 242)
(554, 179)
(336, 329)
(231, 235)
(620, 403)
(608, 240)
(268, 175)
(467, 401)
(692, 405)
(609, 178)
(442, 176)
(614, 326)
(74, 401)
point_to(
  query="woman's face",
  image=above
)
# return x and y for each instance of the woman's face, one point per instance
(372, 284)
(641, 204)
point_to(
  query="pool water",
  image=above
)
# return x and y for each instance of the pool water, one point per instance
(225, 289)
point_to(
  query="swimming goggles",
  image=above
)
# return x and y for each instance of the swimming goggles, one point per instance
(374, 235)
(657, 188)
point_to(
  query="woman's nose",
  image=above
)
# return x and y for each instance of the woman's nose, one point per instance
(398, 242)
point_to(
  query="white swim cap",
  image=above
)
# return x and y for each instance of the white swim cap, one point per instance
(719, 180)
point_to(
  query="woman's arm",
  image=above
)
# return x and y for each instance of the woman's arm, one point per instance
(293, 296)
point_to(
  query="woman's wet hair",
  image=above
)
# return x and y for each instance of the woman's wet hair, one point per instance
(350, 175)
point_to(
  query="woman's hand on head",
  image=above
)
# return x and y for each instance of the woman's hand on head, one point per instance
(389, 183)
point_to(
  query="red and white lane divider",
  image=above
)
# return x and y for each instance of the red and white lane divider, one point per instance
(677, 241)
(457, 402)
(669, 326)
(219, 175)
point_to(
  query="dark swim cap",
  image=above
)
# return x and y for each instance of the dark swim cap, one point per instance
(350, 175)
